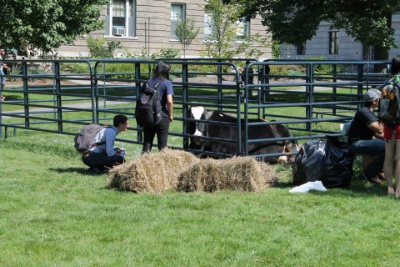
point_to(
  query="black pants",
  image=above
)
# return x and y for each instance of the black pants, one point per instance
(101, 161)
(162, 135)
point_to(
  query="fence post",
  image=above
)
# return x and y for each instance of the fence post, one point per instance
(25, 90)
(58, 95)
(185, 100)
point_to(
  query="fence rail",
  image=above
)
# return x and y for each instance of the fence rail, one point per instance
(311, 98)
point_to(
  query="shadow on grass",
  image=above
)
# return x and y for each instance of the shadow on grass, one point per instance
(83, 171)
(358, 188)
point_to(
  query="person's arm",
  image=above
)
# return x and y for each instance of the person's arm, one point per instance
(110, 135)
(170, 105)
(377, 128)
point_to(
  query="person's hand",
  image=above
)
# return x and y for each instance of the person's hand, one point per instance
(171, 119)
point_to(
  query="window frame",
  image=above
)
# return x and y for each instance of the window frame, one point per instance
(334, 42)
(301, 48)
(174, 23)
(129, 20)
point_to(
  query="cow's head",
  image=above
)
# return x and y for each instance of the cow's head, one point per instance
(290, 147)
(198, 128)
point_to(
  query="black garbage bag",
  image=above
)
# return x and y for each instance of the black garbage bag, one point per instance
(330, 161)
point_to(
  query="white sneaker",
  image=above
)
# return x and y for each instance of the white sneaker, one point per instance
(304, 188)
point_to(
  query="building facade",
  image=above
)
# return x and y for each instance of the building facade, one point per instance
(336, 44)
(147, 26)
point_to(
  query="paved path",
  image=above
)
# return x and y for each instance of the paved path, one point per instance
(75, 105)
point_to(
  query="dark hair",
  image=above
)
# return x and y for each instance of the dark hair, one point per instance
(395, 68)
(162, 70)
(118, 119)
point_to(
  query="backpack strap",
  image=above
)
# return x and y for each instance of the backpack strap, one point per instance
(157, 84)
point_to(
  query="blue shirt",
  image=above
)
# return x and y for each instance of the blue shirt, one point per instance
(108, 136)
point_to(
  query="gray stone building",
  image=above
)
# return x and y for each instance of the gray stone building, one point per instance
(147, 26)
(336, 44)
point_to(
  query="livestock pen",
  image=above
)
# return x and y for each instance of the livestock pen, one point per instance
(310, 97)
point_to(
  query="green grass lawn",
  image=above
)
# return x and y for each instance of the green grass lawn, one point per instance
(52, 213)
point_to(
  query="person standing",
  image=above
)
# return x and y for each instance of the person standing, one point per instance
(166, 92)
(366, 136)
(249, 78)
(392, 137)
(105, 155)
(3, 69)
(263, 78)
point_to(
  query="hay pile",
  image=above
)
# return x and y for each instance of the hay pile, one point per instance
(152, 172)
(244, 174)
(179, 170)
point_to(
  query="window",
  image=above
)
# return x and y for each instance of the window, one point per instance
(121, 18)
(177, 14)
(242, 29)
(301, 48)
(368, 52)
(333, 42)
(207, 23)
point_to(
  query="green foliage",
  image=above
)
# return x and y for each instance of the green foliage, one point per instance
(15, 70)
(223, 41)
(167, 53)
(276, 49)
(287, 70)
(99, 48)
(163, 53)
(326, 68)
(74, 67)
(294, 22)
(186, 33)
(48, 24)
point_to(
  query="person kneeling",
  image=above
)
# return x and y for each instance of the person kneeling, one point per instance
(105, 156)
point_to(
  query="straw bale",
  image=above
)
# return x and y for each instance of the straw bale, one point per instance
(244, 174)
(153, 172)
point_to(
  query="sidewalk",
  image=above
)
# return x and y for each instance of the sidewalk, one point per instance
(53, 109)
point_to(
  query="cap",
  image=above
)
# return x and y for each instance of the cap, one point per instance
(372, 94)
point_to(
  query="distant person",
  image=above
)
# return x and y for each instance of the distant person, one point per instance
(263, 75)
(392, 135)
(249, 79)
(263, 78)
(105, 156)
(166, 92)
(4, 69)
(366, 137)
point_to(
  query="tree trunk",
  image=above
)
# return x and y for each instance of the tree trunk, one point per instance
(382, 53)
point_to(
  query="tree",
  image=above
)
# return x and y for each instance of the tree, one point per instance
(186, 33)
(223, 17)
(47, 24)
(296, 21)
(98, 49)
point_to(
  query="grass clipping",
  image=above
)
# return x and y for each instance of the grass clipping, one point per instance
(157, 172)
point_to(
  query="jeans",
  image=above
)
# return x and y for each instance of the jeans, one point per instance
(2, 76)
(162, 135)
(374, 147)
(102, 161)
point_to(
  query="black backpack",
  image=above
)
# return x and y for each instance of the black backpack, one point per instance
(148, 111)
(84, 138)
(389, 109)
